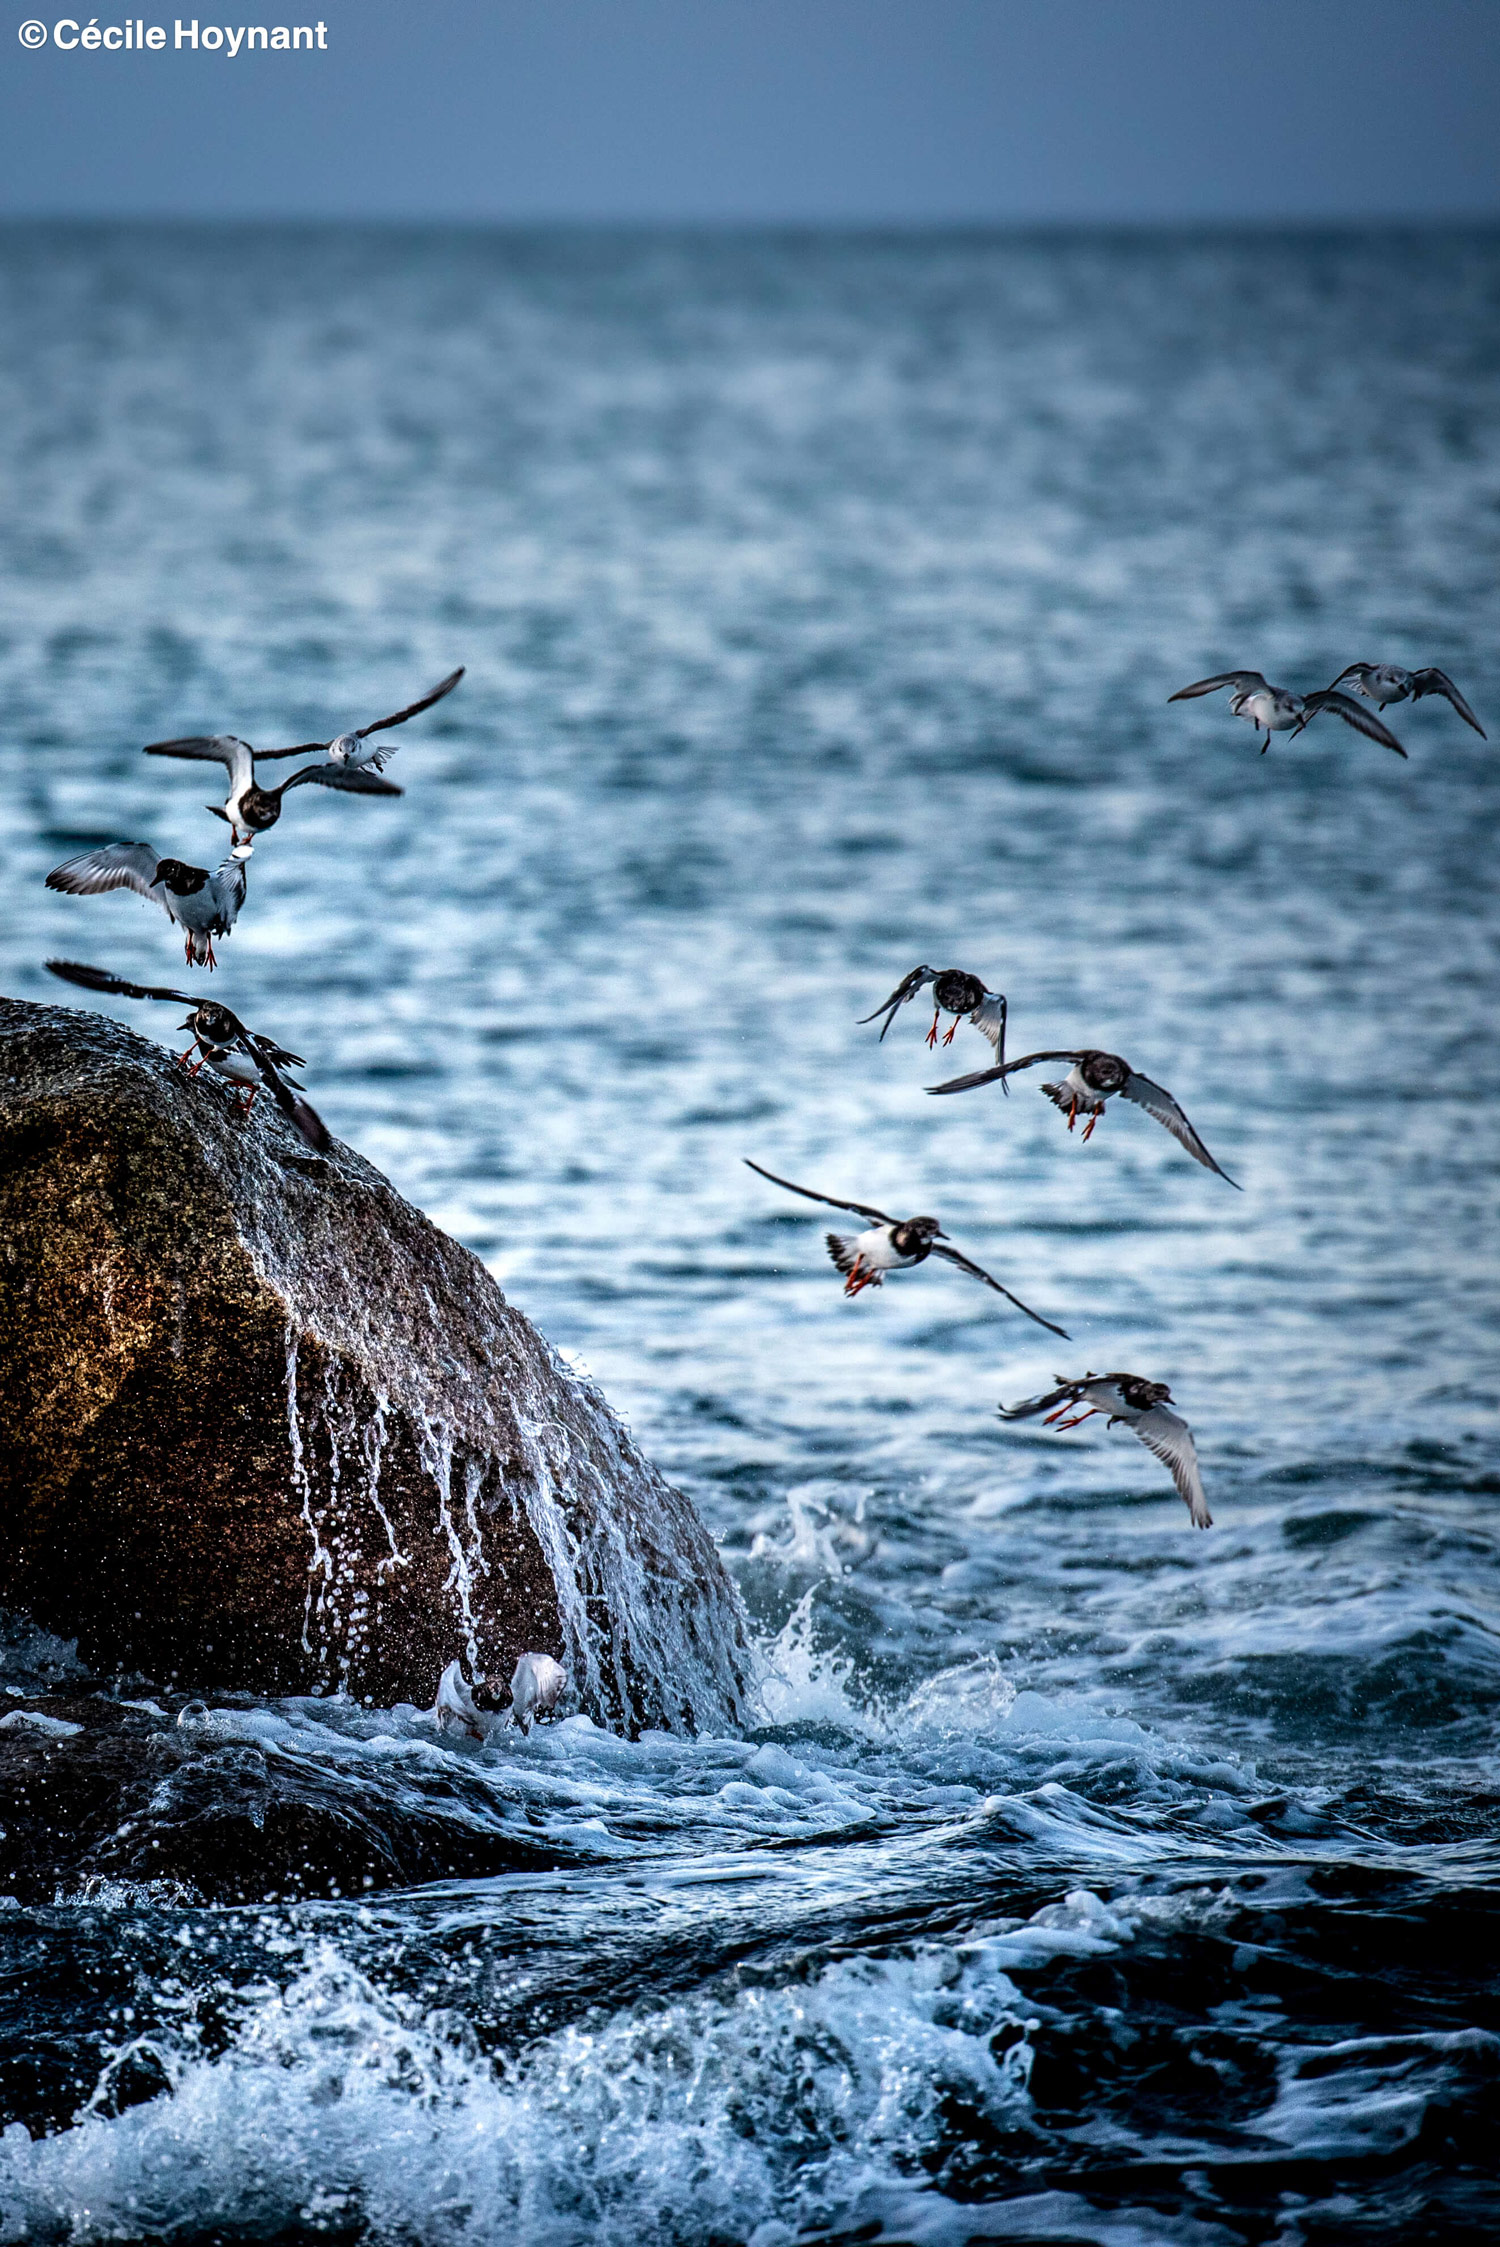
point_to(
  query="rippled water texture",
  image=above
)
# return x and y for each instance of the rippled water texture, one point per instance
(1088, 1879)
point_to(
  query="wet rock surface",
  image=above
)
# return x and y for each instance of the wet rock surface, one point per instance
(263, 1427)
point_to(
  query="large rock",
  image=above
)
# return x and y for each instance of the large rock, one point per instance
(263, 1426)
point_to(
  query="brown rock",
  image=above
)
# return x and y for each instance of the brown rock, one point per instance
(263, 1426)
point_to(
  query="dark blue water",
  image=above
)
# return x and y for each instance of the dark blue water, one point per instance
(1086, 1879)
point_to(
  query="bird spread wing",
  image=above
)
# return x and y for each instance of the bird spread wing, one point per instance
(277, 1054)
(99, 979)
(1438, 682)
(1171, 1439)
(1243, 679)
(952, 1256)
(115, 866)
(353, 779)
(1350, 671)
(1066, 1392)
(212, 749)
(414, 709)
(1353, 714)
(990, 1076)
(906, 989)
(988, 1019)
(1158, 1102)
(229, 889)
(857, 1209)
(303, 1117)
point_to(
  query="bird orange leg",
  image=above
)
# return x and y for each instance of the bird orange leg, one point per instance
(1078, 1420)
(247, 1100)
(860, 1278)
(184, 1058)
(1088, 1132)
(932, 1033)
(1072, 1111)
(953, 1025)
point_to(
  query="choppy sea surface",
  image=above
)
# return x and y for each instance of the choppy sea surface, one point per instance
(1085, 1878)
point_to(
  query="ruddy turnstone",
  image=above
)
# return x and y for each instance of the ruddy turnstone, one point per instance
(1142, 1406)
(250, 809)
(205, 905)
(1277, 710)
(1094, 1078)
(1381, 683)
(355, 750)
(535, 1688)
(955, 992)
(893, 1245)
(223, 1044)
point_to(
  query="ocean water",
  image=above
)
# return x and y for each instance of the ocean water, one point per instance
(1084, 1878)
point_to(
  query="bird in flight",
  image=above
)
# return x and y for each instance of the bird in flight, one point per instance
(355, 750)
(955, 992)
(205, 905)
(893, 1245)
(1277, 710)
(1143, 1407)
(1381, 683)
(248, 808)
(223, 1044)
(1094, 1078)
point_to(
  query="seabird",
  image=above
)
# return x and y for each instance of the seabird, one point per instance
(893, 1245)
(1381, 683)
(454, 1709)
(223, 1044)
(250, 809)
(1277, 710)
(206, 905)
(1094, 1078)
(955, 992)
(1142, 1405)
(354, 750)
(535, 1689)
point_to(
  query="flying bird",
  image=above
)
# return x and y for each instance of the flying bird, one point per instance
(354, 750)
(1277, 710)
(1381, 683)
(893, 1245)
(1094, 1078)
(1142, 1406)
(248, 808)
(535, 1688)
(205, 905)
(223, 1044)
(955, 992)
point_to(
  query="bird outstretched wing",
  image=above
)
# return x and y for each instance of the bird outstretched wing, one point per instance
(1158, 1102)
(237, 757)
(1171, 1439)
(1066, 1392)
(99, 979)
(856, 1209)
(112, 866)
(906, 989)
(1353, 714)
(952, 1256)
(1006, 1069)
(355, 780)
(299, 1113)
(1433, 681)
(1248, 680)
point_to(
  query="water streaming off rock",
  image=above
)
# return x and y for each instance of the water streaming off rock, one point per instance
(1076, 1877)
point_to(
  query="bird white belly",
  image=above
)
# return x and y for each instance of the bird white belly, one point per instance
(877, 1252)
(237, 1067)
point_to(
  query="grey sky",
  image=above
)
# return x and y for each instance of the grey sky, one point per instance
(840, 110)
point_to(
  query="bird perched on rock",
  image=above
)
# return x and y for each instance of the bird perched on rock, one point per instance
(893, 1245)
(250, 809)
(355, 750)
(955, 992)
(535, 1688)
(1094, 1078)
(223, 1044)
(1277, 710)
(1381, 683)
(205, 905)
(1142, 1406)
